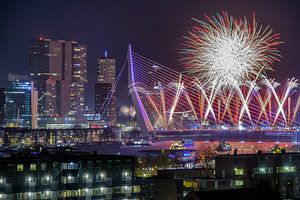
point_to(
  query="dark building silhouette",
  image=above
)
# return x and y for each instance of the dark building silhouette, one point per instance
(262, 193)
(102, 91)
(280, 172)
(63, 174)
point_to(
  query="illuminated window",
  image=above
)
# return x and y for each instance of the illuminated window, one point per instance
(30, 179)
(187, 183)
(286, 169)
(124, 189)
(238, 182)
(46, 180)
(43, 166)
(239, 171)
(263, 170)
(20, 167)
(100, 177)
(70, 165)
(87, 177)
(136, 189)
(32, 167)
(102, 190)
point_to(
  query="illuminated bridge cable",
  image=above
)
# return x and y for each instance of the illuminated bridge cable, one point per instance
(256, 106)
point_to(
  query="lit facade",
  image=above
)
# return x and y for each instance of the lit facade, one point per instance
(2, 104)
(58, 70)
(106, 70)
(79, 74)
(69, 176)
(53, 136)
(18, 94)
(34, 107)
(105, 79)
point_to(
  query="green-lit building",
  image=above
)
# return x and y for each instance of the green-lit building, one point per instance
(18, 101)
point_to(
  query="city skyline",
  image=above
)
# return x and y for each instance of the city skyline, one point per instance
(106, 33)
(117, 99)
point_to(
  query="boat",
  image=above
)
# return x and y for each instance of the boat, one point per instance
(223, 146)
(138, 143)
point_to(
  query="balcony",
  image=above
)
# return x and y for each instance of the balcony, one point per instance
(8, 188)
(54, 185)
(31, 185)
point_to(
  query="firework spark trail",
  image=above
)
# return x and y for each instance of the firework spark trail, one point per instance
(246, 100)
(292, 83)
(226, 101)
(209, 103)
(166, 74)
(179, 86)
(263, 104)
(226, 50)
(295, 111)
(187, 97)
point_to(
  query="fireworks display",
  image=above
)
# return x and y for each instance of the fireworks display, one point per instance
(127, 111)
(224, 51)
(226, 85)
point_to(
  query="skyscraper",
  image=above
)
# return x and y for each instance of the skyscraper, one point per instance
(2, 103)
(106, 79)
(79, 71)
(18, 100)
(106, 69)
(34, 107)
(58, 70)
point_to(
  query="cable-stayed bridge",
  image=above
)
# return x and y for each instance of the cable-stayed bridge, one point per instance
(167, 100)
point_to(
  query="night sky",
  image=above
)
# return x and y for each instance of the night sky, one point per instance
(154, 28)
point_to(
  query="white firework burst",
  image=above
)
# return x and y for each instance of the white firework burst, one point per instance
(224, 51)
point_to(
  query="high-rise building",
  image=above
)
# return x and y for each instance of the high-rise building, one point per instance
(19, 101)
(105, 80)
(58, 70)
(2, 104)
(106, 69)
(34, 107)
(79, 70)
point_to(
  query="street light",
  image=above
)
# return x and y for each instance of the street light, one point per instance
(102, 175)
